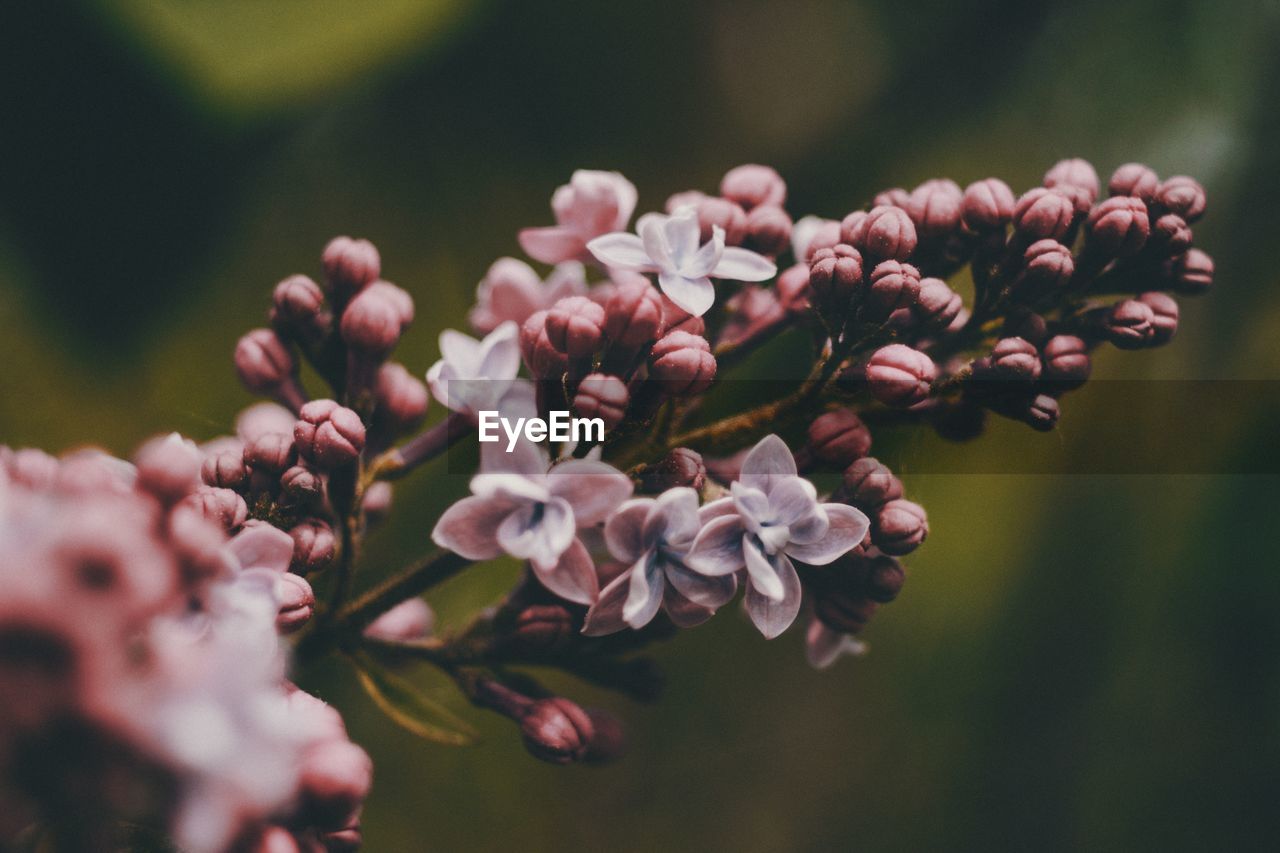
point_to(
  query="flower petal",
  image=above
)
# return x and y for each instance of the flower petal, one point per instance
(593, 489)
(622, 251)
(572, 577)
(717, 508)
(701, 590)
(683, 612)
(605, 616)
(470, 527)
(673, 518)
(762, 571)
(624, 532)
(705, 259)
(774, 617)
(769, 458)
(262, 547)
(848, 527)
(717, 549)
(694, 295)
(500, 353)
(823, 646)
(526, 459)
(744, 265)
(553, 244)
(644, 592)
(681, 234)
(462, 351)
(514, 488)
(538, 532)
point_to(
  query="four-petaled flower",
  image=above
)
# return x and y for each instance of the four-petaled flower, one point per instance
(520, 508)
(591, 204)
(669, 246)
(651, 537)
(511, 290)
(772, 516)
(476, 375)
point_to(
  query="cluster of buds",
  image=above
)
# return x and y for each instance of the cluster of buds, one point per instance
(658, 521)
(131, 624)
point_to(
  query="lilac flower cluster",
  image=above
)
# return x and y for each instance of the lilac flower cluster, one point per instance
(929, 307)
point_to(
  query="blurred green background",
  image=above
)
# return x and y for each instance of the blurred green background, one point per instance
(1078, 661)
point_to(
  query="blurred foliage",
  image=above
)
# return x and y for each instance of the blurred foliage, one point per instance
(1077, 661)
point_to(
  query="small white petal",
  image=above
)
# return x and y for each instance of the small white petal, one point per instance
(593, 489)
(701, 590)
(552, 245)
(539, 533)
(605, 616)
(773, 617)
(762, 572)
(624, 531)
(644, 593)
(848, 527)
(769, 458)
(262, 547)
(717, 549)
(573, 577)
(500, 353)
(673, 518)
(701, 263)
(682, 234)
(622, 251)
(694, 295)
(744, 265)
(470, 527)
(511, 487)
(462, 351)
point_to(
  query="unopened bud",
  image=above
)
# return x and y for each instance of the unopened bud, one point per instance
(1047, 266)
(264, 362)
(835, 277)
(1042, 214)
(1015, 359)
(402, 397)
(297, 303)
(1182, 195)
(543, 627)
(409, 621)
(793, 289)
(335, 778)
(539, 355)
(839, 437)
(1066, 361)
(937, 305)
(1129, 324)
(371, 324)
(1076, 174)
(328, 434)
(302, 484)
(868, 483)
(314, 545)
(752, 186)
(633, 314)
(934, 207)
(221, 506)
(1171, 234)
(225, 470)
(1119, 226)
(1164, 320)
(270, 452)
(720, 212)
(602, 396)
(297, 602)
(1134, 179)
(892, 285)
(349, 265)
(768, 230)
(680, 467)
(1193, 273)
(556, 730)
(886, 233)
(683, 363)
(987, 205)
(575, 326)
(900, 376)
(168, 467)
(899, 527)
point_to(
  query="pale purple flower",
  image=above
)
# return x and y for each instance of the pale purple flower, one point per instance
(511, 290)
(520, 508)
(591, 204)
(473, 375)
(823, 646)
(671, 246)
(772, 516)
(652, 536)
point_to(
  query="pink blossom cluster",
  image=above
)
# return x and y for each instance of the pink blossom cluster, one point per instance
(148, 600)
(141, 672)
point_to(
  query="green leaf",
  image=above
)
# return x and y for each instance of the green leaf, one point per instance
(407, 705)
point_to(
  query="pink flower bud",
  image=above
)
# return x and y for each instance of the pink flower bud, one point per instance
(225, 470)
(543, 627)
(886, 233)
(409, 621)
(844, 609)
(377, 502)
(727, 215)
(793, 289)
(539, 355)
(768, 230)
(1164, 321)
(1193, 272)
(264, 362)
(371, 324)
(602, 396)
(1043, 214)
(892, 197)
(314, 545)
(893, 285)
(900, 376)
(688, 198)
(556, 730)
(297, 603)
(1134, 179)
(680, 467)
(402, 397)
(988, 205)
(1047, 266)
(683, 363)
(270, 452)
(633, 314)
(1078, 178)
(1183, 196)
(33, 468)
(199, 543)
(937, 305)
(335, 779)
(885, 579)
(349, 265)
(609, 741)
(302, 484)
(753, 186)
(1119, 226)
(1066, 361)
(1042, 413)
(868, 483)
(835, 277)
(397, 296)
(168, 468)
(1171, 234)
(676, 319)
(1015, 359)
(934, 207)
(297, 302)
(221, 506)
(261, 418)
(575, 326)
(1129, 324)
(839, 437)
(899, 527)
(328, 434)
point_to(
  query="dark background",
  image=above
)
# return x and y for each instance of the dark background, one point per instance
(1079, 659)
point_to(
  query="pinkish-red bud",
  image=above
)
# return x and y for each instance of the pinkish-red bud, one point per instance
(727, 215)
(1171, 234)
(899, 527)
(602, 396)
(893, 285)
(575, 326)
(168, 468)
(987, 205)
(768, 230)
(1066, 361)
(839, 437)
(1193, 272)
(1129, 324)
(793, 289)
(1042, 413)
(1078, 178)
(556, 730)
(225, 470)
(349, 265)
(297, 603)
(868, 483)
(676, 319)
(1182, 195)
(937, 305)
(539, 355)
(680, 467)
(892, 197)
(835, 277)
(934, 207)
(899, 375)
(328, 434)
(1136, 180)
(271, 452)
(264, 362)
(314, 545)
(885, 233)
(1119, 226)
(683, 363)
(402, 397)
(1043, 214)
(1164, 321)
(633, 314)
(297, 302)
(1015, 358)
(335, 779)
(371, 324)
(221, 506)
(302, 484)
(752, 186)
(1047, 265)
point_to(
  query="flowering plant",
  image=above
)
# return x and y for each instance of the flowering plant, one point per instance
(142, 666)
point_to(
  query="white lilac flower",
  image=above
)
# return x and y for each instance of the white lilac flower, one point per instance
(651, 536)
(474, 375)
(512, 290)
(591, 204)
(669, 246)
(521, 508)
(772, 516)
(823, 646)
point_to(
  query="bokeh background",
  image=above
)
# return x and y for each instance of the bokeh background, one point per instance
(1084, 656)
